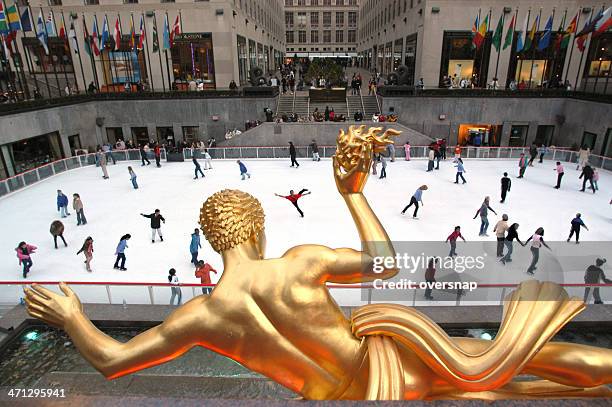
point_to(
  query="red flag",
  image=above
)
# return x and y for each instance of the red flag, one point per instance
(141, 36)
(117, 35)
(176, 29)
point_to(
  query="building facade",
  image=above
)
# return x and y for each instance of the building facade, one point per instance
(321, 28)
(433, 39)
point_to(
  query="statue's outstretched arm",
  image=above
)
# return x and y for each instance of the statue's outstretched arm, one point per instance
(175, 336)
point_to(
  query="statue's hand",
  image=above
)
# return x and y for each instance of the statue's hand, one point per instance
(52, 308)
(354, 180)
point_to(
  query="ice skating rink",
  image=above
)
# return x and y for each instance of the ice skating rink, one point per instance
(113, 208)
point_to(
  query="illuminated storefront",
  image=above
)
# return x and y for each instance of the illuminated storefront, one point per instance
(462, 61)
(193, 59)
(479, 135)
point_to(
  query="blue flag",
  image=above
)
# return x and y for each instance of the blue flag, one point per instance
(42, 34)
(166, 44)
(105, 34)
(546, 35)
(26, 25)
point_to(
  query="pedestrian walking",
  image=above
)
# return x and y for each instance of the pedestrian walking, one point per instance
(24, 254)
(452, 239)
(207, 160)
(537, 241)
(293, 198)
(197, 168)
(315, 151)
(576, 224)
(77, 205)
(383, 170)
(483, 211)
(175, 289)
(430, 278)
(431, 155)
(143, 155)
(102, 161)
(157, 153)
(62, 204)
(595, 275)
(133, 177)
(407, 150)
(57, 230)
(506, 184)
(87, 250)
(522, 165)
(203, 273)
(587, 175)
(156, 219)
(560, 172)
(415, 199)
(120, 252)
(292, 154)
(460, 171)
(510, 237)
(243, 170)
(500, 229)
(195, 246)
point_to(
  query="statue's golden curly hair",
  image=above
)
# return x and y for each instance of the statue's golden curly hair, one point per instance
(229, 218)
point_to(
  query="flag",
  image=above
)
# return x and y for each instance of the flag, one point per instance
(62, 31)
(26, 25)
(544, 41)
(50, 25)
(559, 34)
(604, 23)
(42, 35)
(499, 31)
(4, 44)
(88, 42)
(176, 29)
(509, 34)
(117, 35)
(590, 26)
(571, 28)
(105, 34)
(3, 23)
(475, 30)
(166, 45)
(529, 38)
(581, 37)
(522, 35)
(155, 36)
(482, 32)
(73, 38)
(95, 37)
(132, 33)
(9, 38)
(13, 18)
(141, 35)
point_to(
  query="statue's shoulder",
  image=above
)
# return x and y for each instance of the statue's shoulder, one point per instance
(307, 252)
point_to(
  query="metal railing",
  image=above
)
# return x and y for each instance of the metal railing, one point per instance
(32, 176)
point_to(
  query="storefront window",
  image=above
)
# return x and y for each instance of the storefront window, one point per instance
(190, 134)
(410, 57)
(114, 134)
(122, 66)
(252, 54)
(534, 68)
(260, 56)
(479, 135)
(461, 61)
(243, 61)
(193, 59)
(397, 53)
(380, 57)
(36, 151)
(518, 136)
(140, 135)
(75, 143)
(266, 58)
(599, 57)
(588, 140)
(165, 135)
(388, 61)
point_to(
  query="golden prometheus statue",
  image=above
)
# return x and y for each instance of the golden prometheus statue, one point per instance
(276, 317)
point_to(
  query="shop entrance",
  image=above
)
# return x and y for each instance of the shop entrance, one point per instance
(479, 135)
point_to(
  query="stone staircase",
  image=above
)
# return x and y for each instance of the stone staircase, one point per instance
(301, 106)
(339, 108)
(370, 105)
(285, 104)
(354, 105)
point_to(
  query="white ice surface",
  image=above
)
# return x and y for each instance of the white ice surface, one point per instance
(112, 209)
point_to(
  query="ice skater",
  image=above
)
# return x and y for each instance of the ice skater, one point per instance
(24, 254)
(430, 278)
(510, 237)
(203, 273)
(533, 153)
(460, 170)
(375, 159)
(522, 165)
(587, 175)
(391, 152)
(576, 224)
(595, 178)
(120, 252)
(431, 155)
(87, 250)
(500, 229)
(243, 170)
(407, 150)
(595, 275)
(506, 184)
(452, 239)
(483, 211)
(156, 219)
(293, 154)
(62, 204)
(537, 241)
(77, 205)
(542, 151)
(457, 151)
(293, 198)
(583, 157)
(143, 155)
(315, 151)
(560, 172)
(383, 169)
(102, 161)
(195, 246)
(157, 154)
(197, 168)
(57, 230)
(175, 289)
(415, 199)
(207, 160)
(133, 177)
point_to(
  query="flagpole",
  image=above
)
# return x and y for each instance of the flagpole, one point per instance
(569, 61)
(78, 52)
(581, 55)
(92, 61)
(17, 55)
(67, 41)
(127, 63)
(146, 47)
(524, 42)
(533, 46)
(508, 80)
(557, 51)
(57, 33)
(161, 66)
(484, 43)
(596, 49)
(166, 52)
(101, 48)
(110, 65)
(59, 88)
(10, 81)
(6, 47)
(475, 51)
(547, 51)
(503, 21)
(41, 62)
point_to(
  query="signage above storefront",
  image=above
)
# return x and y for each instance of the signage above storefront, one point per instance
(184, 37)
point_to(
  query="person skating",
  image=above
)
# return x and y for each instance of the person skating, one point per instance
(560, 172)
(315, 151)
(510, 237)
(202, 272)
(133, 177)
(431, 155)
(595, 275)
(375, 160)
(437, 156)
(500, 229)
(583, 157)
(197, 168)
(77, 205)
(576, 224)
(522, 165)
(483, 211)
(143, 155)
(57, 230)
(293, 198)
(120, 252)
(415, 199)
(175, 289)
(506, 184)
(587, 175)
(243, 170)
(537, 241)
(87, 250)
(533, 153)
(443, 148)
(383, 169)
(460, 171)
(457, 151)
(156, 219)
(292, 154)
(24, 254)
(391, 152)
(62, 204)
(102, 161)
(157, 154)
(452, 239)
(595, 178)
(430, 278)
(195, 246)
(407, 150)
(542, 150)
(207, 160)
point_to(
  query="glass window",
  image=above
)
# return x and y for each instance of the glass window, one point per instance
(35, 151)
(114, 134)
(253, 54)
(301, 2)
(260, 56)
(327, 18)
(74, 142)
(518, 135)
(340, 18)
(302, 37)
(352, 36)
(397, 53)
(314, 2)
(461, 61)
(339, 2)
(600, 56)
(288, 18)
(301, 19)
(289, 37)
(191, 134)
(410, 57)
(339, 36)
(288, 3)
(327, 2)
(352, 18)
(193, 58)
(314, 37)
(314, 18)
(326, 36)
(243, 60)
(588, 140)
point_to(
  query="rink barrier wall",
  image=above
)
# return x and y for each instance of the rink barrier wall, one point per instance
(35, 175)
(157, 293)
